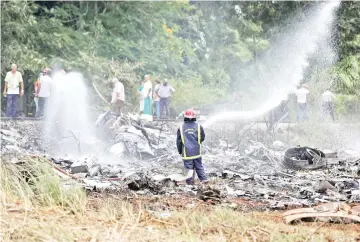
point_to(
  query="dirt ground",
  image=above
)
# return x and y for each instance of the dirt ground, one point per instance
(132, 218)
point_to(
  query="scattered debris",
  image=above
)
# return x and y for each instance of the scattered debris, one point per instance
(142, 157)
(330, 212)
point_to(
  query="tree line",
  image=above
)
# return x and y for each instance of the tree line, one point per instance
(198, 46)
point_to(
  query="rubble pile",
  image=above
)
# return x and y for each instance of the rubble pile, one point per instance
(130, 138)
(20, 138)
(142, 157)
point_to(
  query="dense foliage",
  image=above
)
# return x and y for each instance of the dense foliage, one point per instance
(201, 47)
(348, 68)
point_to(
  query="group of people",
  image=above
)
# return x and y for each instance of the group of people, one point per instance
(154, 101)
(190, 135)
(327, 103)
(327, 99)
(14, 87)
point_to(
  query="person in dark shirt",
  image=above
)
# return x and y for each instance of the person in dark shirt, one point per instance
(190, 135)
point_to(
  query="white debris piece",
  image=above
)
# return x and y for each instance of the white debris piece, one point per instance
(96, 184)
(278, 145)
(118, 148)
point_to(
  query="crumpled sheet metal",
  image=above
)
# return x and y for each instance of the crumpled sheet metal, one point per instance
(140, 139)
(328, 211)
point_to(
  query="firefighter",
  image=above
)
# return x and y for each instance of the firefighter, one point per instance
(190, 135)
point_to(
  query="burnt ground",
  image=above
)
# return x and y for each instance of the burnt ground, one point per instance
(244, 162)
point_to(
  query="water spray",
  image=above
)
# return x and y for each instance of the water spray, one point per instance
(285, 64)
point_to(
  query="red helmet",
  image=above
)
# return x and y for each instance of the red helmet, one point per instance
(190, 113)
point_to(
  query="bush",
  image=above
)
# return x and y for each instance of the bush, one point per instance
(347, 106)
(193, 94)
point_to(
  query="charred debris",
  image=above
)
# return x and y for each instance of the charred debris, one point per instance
(142, 157)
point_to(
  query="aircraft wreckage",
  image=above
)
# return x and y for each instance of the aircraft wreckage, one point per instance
(144, 159)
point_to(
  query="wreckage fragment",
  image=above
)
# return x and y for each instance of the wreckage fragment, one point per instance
(304, 158)
(209, 193)
(330, 211)
(140, 181)
(278, 145)
(321, 186)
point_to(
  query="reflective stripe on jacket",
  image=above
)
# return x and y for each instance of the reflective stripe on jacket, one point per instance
(191, 140)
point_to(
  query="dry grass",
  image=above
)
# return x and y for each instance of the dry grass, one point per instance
(46, 211)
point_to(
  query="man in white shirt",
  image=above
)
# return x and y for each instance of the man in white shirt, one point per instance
(13, 81)
(118, 97)
(147, 113)
(164, 93)
(328, 104)
(301, 95)
(44, 91)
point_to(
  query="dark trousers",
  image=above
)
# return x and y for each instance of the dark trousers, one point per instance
(117, 106)
(165, 103)
(42, 106)
(196, 165)
(328, 109)
(11, 105)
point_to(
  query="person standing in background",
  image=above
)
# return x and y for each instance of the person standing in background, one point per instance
(43, 91)
(328, 104)
(118, 97)
(301, 94)
(164, 93)
(146, 92)
(141, 97)
(157, 99)
(13, 81)
(36, 98)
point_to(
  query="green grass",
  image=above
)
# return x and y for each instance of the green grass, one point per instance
(35, 183)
